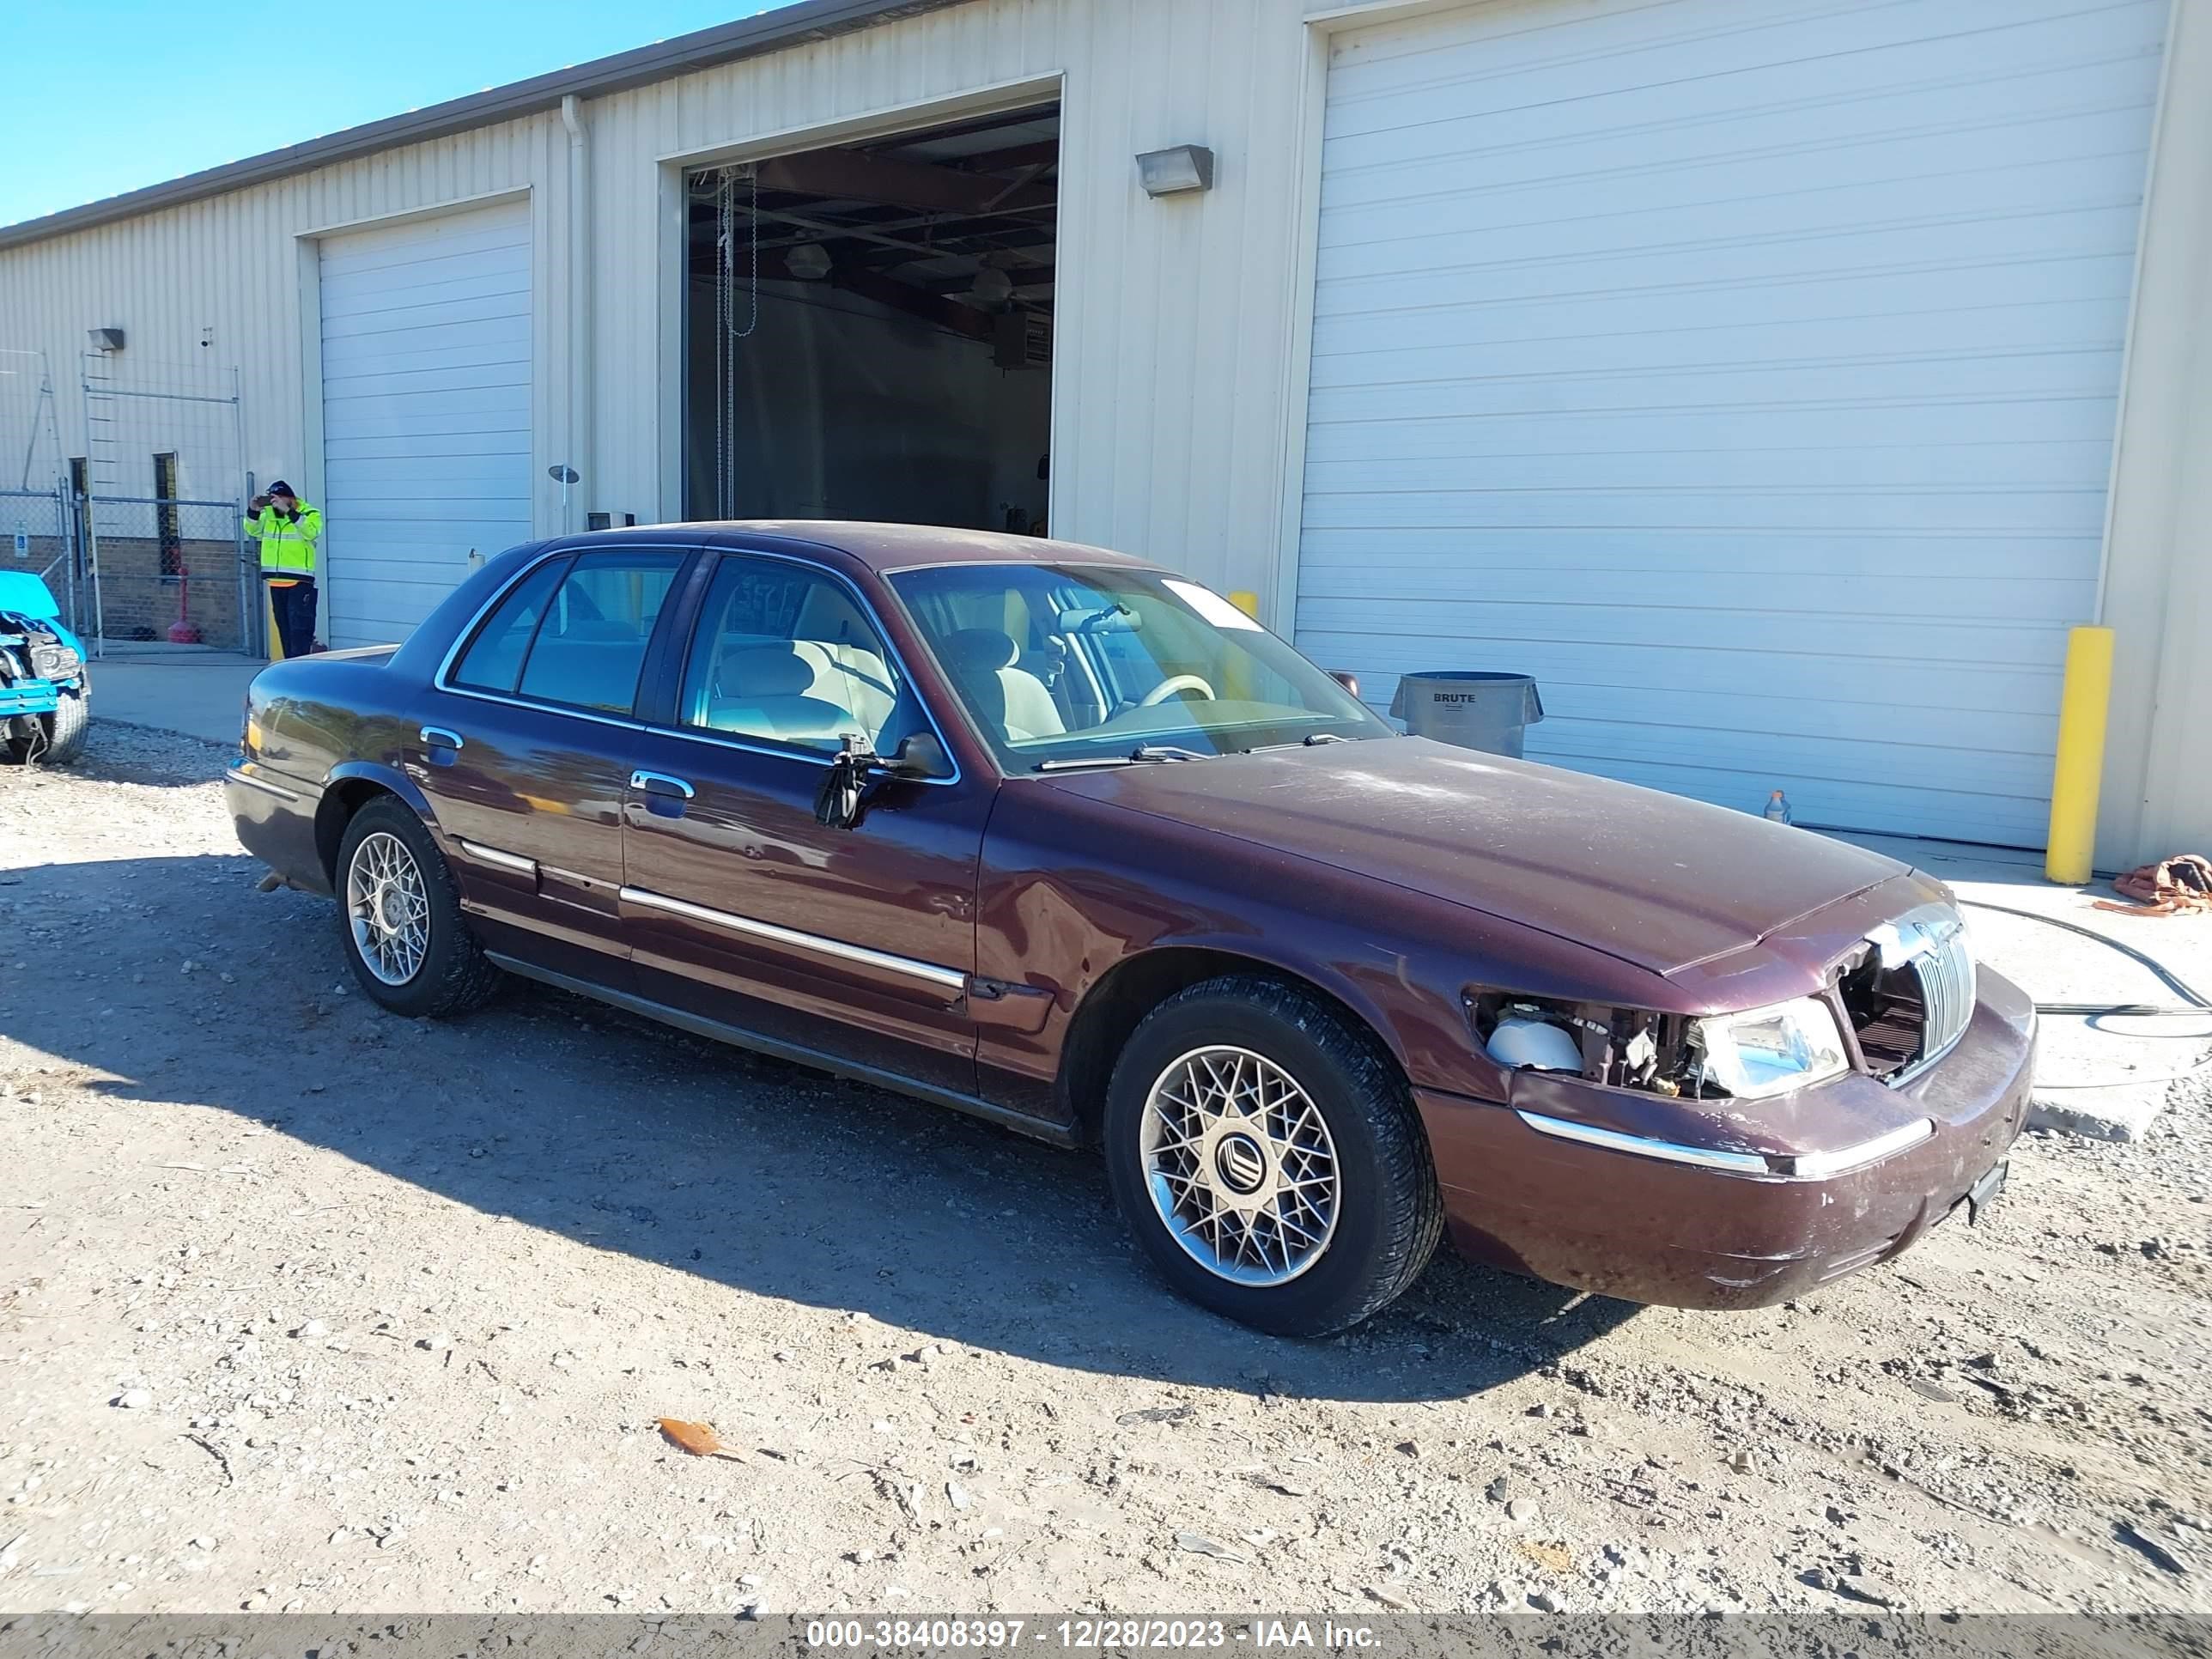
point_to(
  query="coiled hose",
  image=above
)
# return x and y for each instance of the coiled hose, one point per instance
(2194, 1000)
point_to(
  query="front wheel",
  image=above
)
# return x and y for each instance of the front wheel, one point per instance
(1264, 1149)
(56, 738)
(408, 945)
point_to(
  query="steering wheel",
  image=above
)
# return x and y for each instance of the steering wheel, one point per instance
(1175, 683)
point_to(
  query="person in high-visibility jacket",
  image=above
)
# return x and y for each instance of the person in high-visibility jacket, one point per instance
(287, 528)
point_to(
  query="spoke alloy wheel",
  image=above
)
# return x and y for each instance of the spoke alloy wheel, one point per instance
(1240, 1165)
(387, 910)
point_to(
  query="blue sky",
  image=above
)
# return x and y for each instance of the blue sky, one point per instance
(103, 96)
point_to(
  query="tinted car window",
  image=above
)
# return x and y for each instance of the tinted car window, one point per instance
(493, 661)
(785, 654)
(590, 645)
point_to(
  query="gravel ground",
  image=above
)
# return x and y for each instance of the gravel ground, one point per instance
(303, 1306)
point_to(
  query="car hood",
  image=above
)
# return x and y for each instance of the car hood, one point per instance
(1652, 878)
(27, 595)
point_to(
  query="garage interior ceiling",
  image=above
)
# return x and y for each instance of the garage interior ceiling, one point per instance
(869, 328)
(926, 224)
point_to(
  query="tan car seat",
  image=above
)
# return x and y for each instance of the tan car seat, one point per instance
(1011, 698)
(770, 691)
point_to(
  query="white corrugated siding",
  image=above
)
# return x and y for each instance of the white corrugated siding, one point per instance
(1179, 387)
(231, 265)
(1172, 317)
(426, 377)
(1748, 375)
(1170, 388)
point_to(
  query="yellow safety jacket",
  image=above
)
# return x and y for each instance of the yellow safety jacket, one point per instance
(288, 545)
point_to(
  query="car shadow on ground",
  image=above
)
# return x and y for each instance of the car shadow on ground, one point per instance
(766, 1178)
(106, 760)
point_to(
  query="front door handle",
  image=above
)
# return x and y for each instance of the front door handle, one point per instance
(442, 744)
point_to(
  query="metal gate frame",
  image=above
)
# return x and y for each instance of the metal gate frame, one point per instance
(45, 422)
(66, 558)
(103, 396)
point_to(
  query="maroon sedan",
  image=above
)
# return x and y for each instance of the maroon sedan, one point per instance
(1059, 838)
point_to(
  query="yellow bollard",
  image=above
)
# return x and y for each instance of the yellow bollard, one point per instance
(2080, 767)
(269, 621)
(1238, 687)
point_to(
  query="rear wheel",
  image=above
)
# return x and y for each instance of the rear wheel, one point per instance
(400, 914)
(1264, 1151)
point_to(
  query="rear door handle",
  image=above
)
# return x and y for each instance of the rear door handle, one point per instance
(664, 796)
(438, 737)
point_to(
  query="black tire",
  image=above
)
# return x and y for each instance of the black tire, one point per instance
(66, 727)
(452, 976)
(1389, 1213)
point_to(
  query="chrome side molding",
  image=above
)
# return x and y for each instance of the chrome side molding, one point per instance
(949, 980)
(1804, 1166)
(493, 855)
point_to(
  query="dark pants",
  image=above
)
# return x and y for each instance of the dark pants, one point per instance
(295, 606)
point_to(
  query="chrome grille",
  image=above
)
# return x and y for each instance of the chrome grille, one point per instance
(1932, 942)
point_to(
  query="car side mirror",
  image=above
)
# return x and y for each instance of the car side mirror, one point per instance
(1347, 678)
(919, 755)
(843, 800)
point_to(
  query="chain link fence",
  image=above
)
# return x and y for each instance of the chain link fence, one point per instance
(170, 570)
(164, 504)
(41, 530)
(37, 534)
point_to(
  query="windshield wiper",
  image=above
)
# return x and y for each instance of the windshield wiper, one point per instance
(1310, 741)
(1145, 754)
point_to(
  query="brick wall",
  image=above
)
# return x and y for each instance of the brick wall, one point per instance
(137, 600)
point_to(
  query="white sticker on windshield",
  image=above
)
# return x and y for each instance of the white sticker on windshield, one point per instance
(1211, 606)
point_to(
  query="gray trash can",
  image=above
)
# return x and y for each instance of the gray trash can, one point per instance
(1469, 708)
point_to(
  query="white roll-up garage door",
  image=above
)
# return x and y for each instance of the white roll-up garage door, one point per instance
(1746, 372)
(426, 413)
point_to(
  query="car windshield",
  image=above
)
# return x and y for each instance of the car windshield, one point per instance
(1064, 665)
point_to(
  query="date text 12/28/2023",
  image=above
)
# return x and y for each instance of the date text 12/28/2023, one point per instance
(980, 1636)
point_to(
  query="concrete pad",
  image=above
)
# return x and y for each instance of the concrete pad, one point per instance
(2107, 1078)
(192, 690)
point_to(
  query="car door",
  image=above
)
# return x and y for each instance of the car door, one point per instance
(854, 944)
(525, 747)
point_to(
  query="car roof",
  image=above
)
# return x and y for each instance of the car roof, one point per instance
(885, 547)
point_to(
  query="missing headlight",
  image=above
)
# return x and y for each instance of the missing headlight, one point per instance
(1624, 1047)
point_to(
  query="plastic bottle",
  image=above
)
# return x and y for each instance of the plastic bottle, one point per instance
(1777, 808)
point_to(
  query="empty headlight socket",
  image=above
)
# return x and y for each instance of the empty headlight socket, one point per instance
(1622, 1047)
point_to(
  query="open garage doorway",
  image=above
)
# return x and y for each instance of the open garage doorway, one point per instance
(868, 329)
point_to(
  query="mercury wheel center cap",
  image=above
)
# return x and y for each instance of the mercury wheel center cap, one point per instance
(1240, 1163)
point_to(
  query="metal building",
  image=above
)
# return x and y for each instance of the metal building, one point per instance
(1777, 382)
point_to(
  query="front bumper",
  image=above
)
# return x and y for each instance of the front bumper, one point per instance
(28, 697)
(1642, 1229)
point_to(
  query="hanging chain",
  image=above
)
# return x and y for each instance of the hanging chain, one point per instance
(752, 216)
(726, 331)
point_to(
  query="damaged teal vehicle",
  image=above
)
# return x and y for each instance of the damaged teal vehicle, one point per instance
(44, 693)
